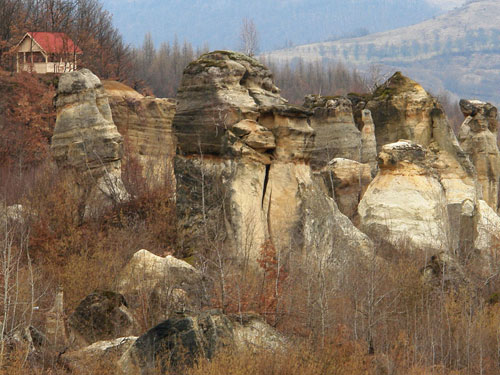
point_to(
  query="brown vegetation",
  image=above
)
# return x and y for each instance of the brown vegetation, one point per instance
(375, 316)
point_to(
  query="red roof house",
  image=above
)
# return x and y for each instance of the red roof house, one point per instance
(42, 52)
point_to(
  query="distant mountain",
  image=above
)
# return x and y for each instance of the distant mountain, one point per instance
(458, 51)
(279, 22)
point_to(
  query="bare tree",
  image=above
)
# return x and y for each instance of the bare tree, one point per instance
(249, 38)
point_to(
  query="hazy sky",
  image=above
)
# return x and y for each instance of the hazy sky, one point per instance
(447, 4)
(279, 22)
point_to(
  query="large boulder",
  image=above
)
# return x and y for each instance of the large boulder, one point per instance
(478, 138)
(242, 165)
(87, 142)
(102, 315)
(184, 338)
(146, 124)
(100, 357)
(165, 284)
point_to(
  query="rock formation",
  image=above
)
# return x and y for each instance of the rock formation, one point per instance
(146, 124)
(402, 109)
(102, 315)
(406, 200)
(347, 181)
(182, 339)
(167, 284)
(100, 357)
(87, 142)
(242, 164)
(478, 138)
(368, 141)
(427, 190)
(336, 133)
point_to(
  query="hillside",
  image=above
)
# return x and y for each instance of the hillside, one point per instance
(279, 23)
(358, 228)
(458, 51)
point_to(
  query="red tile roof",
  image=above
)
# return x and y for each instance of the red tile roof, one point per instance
(55, 42)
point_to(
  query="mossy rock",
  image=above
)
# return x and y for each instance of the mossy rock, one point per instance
(219, 60)
(398, 83)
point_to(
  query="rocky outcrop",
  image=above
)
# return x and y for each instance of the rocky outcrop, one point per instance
(405, 203)
(402, 109)
(217, 91)
(100, 316)
(478, 138)
(167, 284)
(86, 141)
(242, 164)
(146, 125)
(336, 133)
(182, 339)
(347, 181)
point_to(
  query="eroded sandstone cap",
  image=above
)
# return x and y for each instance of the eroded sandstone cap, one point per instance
(484, 114)
(401, 151)
(77, 81)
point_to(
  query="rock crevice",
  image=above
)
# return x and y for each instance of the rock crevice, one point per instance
(243, 161)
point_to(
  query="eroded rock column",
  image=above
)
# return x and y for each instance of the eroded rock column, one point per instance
(87, 142)
(243, 165)
(478, 138)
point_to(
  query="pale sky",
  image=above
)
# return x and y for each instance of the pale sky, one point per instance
(447, 4)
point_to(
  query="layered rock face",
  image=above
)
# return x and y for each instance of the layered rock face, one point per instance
(146, 124)
(478, 138)
(242, 164)
(336, 133)
(217, 91)
(87, 141)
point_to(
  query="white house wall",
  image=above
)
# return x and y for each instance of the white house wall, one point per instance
(28, 45)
